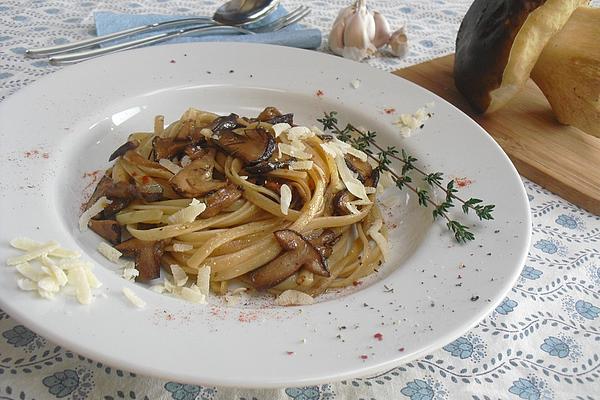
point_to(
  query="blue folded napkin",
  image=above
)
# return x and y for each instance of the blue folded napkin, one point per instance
(294, 35)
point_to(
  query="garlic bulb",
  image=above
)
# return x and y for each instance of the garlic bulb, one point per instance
(357, 32)
(398, 43)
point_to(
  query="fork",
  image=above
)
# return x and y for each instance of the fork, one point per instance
(278, 24)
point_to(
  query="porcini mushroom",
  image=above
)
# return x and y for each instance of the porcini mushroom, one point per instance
(167, 147)
(366, 174)
(122, 149)
(568, 71)
(220, 200)
(254, 146)
(297, 252)
(340, 201)
(147, 256)
(498, 44)
(108, 229)
(196, 179)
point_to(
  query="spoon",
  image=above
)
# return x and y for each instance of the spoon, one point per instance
(232, 13)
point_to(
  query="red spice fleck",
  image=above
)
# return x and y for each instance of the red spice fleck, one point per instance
(146, 179)
(46, 155)
(319, 93)
(462, 182)
(378, 336)
(247, 316)
(401, 349)
(35, 154)
(172, 61)
(364, 356)
(356, 283)
(169, 317)
(389, 110)
(290, 353)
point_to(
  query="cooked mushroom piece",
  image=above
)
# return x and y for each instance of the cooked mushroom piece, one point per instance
(167, 147)
(280, 119)
(147, 256)
(124, 148)
(224, 123)
(324, 242)
(103, 185)
(194, 151)
(297, 253)
(268, 113)
(108, 229)
(498, 44)
(196, 179)
(340, 202)
(255, 146)
(366, 174)
(266, 166)
(220, 200)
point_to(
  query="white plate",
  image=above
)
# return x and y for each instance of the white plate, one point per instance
(67, 124)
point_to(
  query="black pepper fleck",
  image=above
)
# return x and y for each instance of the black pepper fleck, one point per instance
(474, 298)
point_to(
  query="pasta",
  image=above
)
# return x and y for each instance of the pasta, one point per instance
(255, 201)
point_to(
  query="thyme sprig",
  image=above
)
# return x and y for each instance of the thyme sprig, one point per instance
(365, 141)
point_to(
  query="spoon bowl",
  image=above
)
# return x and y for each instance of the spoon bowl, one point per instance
(239, 12)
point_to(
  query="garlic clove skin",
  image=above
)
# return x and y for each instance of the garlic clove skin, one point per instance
(336, 37)
(398, 43)
(359, 33)
(382, 30)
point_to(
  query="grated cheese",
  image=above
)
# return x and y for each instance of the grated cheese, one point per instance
(188, 214)
(27, 244)
(179, 275)
(158, 288)
(182, 247)
(53, 270)
(130, 274)
(169, 165)
(293, 298)
(78, 278)
(352, 183)
(280, 128)
(298, 133)
(109, 252)
(381, 241)
(301, 165)
(48, 284)
(91, 212)
(203, 279)
(355, 84)
(33, 272)
(133, 298)
(286, 198)
(296, 149)
(33, 254)
(408, 123)
(26, 284)
(192, 295)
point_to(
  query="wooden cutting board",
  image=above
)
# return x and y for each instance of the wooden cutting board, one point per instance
(560, 158)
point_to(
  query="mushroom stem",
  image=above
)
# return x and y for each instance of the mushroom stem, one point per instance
(568, 71)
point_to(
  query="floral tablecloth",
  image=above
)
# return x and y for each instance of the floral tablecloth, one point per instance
(542, 342)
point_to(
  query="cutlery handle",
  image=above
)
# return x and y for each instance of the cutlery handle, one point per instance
(85, 55)
(63, 48)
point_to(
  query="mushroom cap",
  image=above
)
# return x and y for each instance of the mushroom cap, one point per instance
(499, 42)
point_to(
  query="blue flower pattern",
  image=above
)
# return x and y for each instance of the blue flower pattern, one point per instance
(587, 309)
(555, 347)
(530, 331)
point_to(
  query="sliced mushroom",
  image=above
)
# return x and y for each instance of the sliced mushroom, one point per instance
(224, 123)
(366, 174)
(297, 253)
(103, 185)
(340, 202)
(324, 242)
(268, 113)
(124, 148)
(114, 207)
(122, 190)
(285, 118)
(108, 229)
(220, 200)
(151, 191)
(266, 166)
(167, 147)
(255, 146)
(197, 178)
(194, 151)
(167, 190)
(147, 256)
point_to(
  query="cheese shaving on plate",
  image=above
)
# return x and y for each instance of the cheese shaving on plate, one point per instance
(91, 212)
(27, 244)
(130, 274)
(188, 214)
(78, 279)
(179, 275)
(286, 198)
(192, 294)
(293, 298)
(33, 254)
(109, 252)
(133, 298)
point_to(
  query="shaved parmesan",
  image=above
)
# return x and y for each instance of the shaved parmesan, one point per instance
(133, 298)
(179, 275)
(158, 288)
(130, 274)
(57, 273)
(301, 165)
(169, 165)
(203, 279)
(408, 123)
(78, 278)
(182, 247)
(294, 150)
(293, 298)
(48, 284)
(191, 295)
(352, 183)
(299, 133)
(381, 241)
(187, 214)
(33, 272)
(286, 198)
(370, 190)
(280, 128)
(109, 252)
(29, 244)
(46, 294)
(26, 284)
(68, 264)
(93, 282)
(355, 83)
(33, 254)
(91, 212)
(352, 208)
